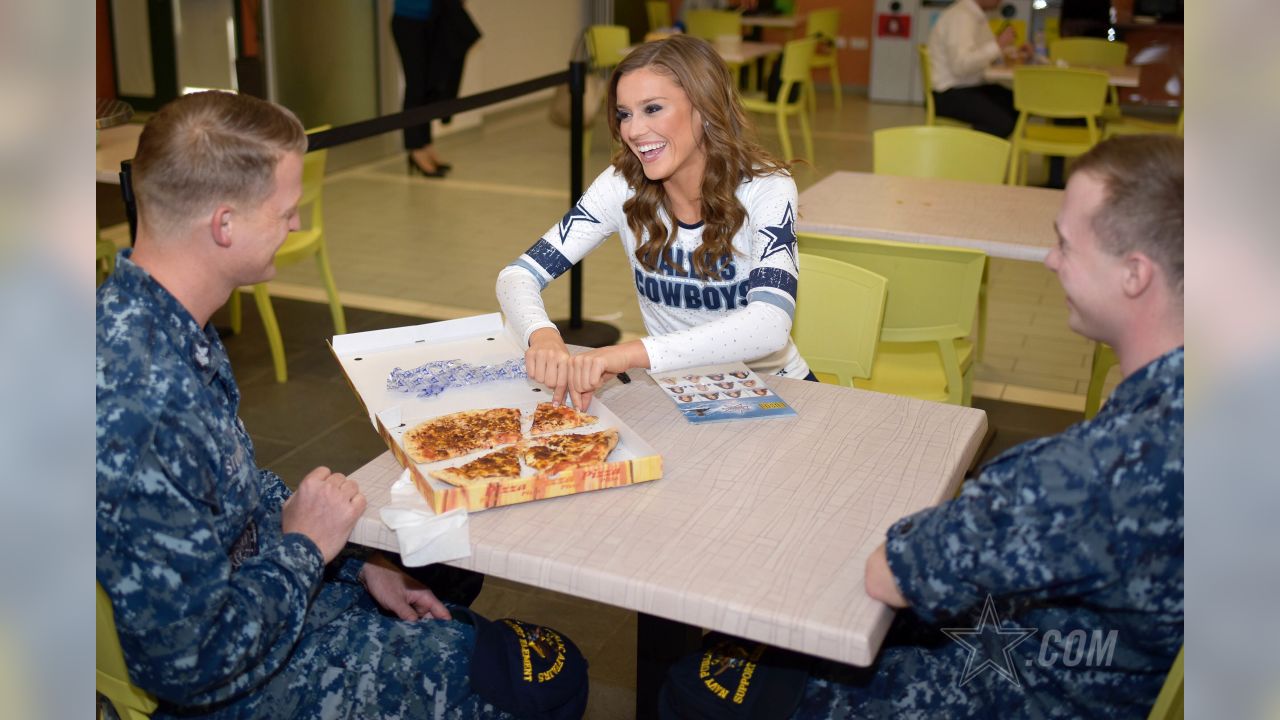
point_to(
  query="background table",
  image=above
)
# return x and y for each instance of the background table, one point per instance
(760, 529)
(1003, 221)
(115, 145)
(1126, 77)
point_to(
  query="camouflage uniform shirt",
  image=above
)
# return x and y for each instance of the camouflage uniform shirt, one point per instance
(1073, 545)
(221, 614)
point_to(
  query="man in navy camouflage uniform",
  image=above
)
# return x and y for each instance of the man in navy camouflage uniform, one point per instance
(1053, 585)
(232, 596)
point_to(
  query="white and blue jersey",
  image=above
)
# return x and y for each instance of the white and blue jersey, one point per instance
(744, 313)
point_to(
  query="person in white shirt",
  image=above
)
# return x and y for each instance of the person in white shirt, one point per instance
(961, 46)
(706, 216)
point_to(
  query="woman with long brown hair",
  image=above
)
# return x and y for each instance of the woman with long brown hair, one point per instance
(706, 216)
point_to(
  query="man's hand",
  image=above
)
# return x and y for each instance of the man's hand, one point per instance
(325, 508)
(547, 361)
(398, 593)
(1007, 38)
(592, 369)
(880, 582)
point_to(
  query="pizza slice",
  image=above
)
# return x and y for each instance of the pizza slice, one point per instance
(549, 418)
(496, 466)
(555, 454)
(455, 434)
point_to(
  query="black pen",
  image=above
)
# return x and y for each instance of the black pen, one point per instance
(624, 378)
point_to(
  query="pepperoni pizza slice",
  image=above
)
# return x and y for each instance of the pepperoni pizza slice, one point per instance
(555, 454)
(549, 418)
(459, 433)
(497, 466)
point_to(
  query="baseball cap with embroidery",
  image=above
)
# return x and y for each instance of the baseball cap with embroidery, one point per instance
(527, 670)
(732, 679)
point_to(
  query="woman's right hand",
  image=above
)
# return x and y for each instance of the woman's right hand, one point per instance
(547, 361)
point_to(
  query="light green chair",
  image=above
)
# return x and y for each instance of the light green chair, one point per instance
(949, 153)
(1087, 52)
(797, 56)
(1104, 358)
(931, 116)
(1138, 126)
(305, 243)
(105, 259)
(130, 701)
(825, 26)
(838, 316)
(713, 24)
(929, 313)
(1054, 93)
(1170, 700)
(659, 12)
(605, 44)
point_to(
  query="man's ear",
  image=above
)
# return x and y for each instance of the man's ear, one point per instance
(1139, 272)
(220, 225)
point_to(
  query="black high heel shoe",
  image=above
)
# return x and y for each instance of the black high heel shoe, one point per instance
(440, 171)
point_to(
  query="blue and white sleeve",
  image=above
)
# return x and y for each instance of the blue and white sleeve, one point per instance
(581, 230)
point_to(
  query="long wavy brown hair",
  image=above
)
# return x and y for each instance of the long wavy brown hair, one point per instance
(729, 141)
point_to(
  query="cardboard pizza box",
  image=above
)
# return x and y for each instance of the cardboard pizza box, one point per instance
(368, 358)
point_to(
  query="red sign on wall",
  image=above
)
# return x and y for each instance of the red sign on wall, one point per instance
(898, 26)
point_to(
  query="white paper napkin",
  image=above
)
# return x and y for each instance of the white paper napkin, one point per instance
(424, 536)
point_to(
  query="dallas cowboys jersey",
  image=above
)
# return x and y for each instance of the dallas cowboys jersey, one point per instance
(742, 314)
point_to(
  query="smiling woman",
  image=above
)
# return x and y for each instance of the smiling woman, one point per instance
(706, 216)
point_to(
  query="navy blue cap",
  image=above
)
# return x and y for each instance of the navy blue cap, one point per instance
(528, 670)
(732, 679)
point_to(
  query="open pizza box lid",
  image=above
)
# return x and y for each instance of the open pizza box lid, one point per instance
(367, 358)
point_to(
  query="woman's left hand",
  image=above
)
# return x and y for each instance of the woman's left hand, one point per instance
(592, 369)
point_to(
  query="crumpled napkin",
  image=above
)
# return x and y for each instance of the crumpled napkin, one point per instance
(432, 378)
(424, 536)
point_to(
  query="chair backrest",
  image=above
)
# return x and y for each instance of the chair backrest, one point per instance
(659, 14)
(711, 24)
(1055, 92)
(941, 152)
(605, 44)
(1169, 702)
(1089, 52)
(113, 677)
(933, 290)
(839, 312)
(1019, 28)
(796, 57)
(313, 165)
(824, 24)
(926, 77)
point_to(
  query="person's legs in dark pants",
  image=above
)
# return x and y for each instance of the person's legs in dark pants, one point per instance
(413, 41)
(988, 108)
(456, 586)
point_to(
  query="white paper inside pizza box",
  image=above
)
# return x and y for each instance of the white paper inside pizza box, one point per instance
(368, 358)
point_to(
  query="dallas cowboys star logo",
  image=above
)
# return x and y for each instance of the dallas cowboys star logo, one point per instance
(574, 215)
(782, 237)
(971, 638)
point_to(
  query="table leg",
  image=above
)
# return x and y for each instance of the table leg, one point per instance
(659, 643)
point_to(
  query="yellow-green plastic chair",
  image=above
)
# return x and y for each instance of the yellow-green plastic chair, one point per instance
(105, 260)
(1094, 53)
(307, 242)
(130, 701)
(825, 25)
(713, 24)
(1104, 358)
(949, 153)
(1019, 29)
(1170, 700)
(659, 14)
(797, 55)
(1052, 30)
(1054, 93)
(924, 349)
(839, 313)
(605, 44)
(931, 116)
(1139, 126)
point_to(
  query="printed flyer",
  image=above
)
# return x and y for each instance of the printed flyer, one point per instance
(717, 393)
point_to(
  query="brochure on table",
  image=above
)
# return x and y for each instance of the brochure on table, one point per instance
(367, 359)
(719, 393)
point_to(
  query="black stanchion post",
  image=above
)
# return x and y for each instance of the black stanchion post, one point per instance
(579, 331)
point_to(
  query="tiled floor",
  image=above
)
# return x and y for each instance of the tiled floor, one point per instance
(315, 419)
(433, 247)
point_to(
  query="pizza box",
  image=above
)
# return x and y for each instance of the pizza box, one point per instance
(367, 358)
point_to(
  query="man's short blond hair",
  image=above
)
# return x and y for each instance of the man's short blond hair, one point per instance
(1142, 177)
(209, 148)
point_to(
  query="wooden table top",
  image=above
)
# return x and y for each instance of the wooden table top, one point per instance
(1126, 77)
(1003, 221)
(761, 529)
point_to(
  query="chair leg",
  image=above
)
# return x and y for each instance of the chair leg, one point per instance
(335, 305)
(980, 348)
(835, 85)
(807, 135)
(811, 101)
(263, 299)
(237, 315)
(784, 134)
(1103, 359)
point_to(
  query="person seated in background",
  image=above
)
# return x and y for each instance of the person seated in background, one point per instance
(961, 46)
(234, 597)
(1052, 585)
